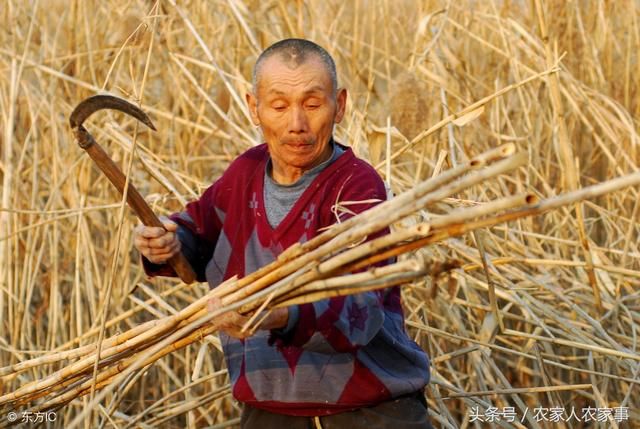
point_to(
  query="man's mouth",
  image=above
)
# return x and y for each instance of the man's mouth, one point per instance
(299, 144)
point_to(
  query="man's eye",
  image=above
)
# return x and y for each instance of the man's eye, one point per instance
(279, 107)
(313, 106)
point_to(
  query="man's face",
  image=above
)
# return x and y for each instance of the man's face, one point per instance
(296, 109)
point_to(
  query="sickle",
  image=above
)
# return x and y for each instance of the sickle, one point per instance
(86, 141)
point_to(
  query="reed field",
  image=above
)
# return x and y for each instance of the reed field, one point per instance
(508, 130)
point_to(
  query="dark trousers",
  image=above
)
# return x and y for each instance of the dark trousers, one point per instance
(406, 412)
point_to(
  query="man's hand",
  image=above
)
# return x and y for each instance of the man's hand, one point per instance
(232, 322)
(157, 244)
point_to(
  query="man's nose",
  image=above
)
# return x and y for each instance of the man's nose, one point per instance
(298, 122)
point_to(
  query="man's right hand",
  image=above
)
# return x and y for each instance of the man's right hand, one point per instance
(157, 244)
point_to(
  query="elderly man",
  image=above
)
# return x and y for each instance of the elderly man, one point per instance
(338, 363)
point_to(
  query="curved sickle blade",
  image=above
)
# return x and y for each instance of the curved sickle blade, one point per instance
(87, 107)
(98, 102)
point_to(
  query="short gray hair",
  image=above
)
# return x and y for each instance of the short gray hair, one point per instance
(298, 52)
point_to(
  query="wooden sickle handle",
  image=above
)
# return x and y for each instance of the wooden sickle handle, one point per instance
(134, 199)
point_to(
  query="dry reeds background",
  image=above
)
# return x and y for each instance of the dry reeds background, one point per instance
(543, 311)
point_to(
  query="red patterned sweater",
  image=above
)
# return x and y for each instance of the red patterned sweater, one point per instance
(335, 355)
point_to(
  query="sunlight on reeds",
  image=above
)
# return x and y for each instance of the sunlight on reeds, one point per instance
(538, 311)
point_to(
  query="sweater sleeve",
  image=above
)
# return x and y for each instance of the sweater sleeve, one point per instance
(199, 226)
(341, 324)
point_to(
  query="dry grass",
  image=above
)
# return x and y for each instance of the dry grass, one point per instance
(563, 284)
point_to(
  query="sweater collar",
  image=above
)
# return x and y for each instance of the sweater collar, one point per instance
(335, 154)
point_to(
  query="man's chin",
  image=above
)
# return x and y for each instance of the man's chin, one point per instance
(301, 162)
(301, 155)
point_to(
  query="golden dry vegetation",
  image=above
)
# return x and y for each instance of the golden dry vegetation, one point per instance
(541, 312)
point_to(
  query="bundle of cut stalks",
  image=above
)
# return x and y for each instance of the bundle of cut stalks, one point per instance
(335, 263)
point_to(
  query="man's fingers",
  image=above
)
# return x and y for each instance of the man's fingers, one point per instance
(156, 231)
(140, 242)
(230, 322)
(155, 253)
(157, 245)
(232, 319)
(152, 251)
(168, 239)
(151, 231)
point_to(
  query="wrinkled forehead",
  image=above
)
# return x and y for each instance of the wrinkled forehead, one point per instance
(279, 64)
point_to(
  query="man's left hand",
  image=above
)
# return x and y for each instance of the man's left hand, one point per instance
(232, 322)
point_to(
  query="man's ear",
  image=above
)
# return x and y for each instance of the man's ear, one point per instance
(252, 102)
(341, 104)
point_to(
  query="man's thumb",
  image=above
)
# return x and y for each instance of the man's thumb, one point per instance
(168, 224)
